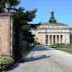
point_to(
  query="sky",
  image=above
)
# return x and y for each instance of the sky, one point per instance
(61, 8)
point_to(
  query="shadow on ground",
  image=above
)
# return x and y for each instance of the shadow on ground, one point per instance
(34, 58)
(31, 59)
(12, 67)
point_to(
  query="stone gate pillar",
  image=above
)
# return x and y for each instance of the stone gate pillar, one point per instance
(5, 33)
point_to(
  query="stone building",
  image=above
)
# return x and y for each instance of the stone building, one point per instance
(53, 32)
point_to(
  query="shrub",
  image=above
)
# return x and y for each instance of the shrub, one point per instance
(53, 46)
(5, 62)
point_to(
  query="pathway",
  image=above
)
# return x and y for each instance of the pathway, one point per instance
(44, 59)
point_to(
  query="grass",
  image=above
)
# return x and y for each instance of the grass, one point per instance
(63, 47)
(25, 53)
(66, 50)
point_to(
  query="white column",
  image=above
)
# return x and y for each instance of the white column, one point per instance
(52, 39)
(56, 39)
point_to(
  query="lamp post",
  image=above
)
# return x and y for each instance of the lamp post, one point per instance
(7, 6)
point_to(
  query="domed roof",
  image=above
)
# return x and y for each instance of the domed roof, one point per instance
(53, 22)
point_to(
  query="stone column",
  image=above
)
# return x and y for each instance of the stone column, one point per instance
(5, 33)
(52, 39)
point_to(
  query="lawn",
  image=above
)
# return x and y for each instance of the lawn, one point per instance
(63, 47)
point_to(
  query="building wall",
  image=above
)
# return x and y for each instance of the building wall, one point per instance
(41, 38)
(43, 30)
(5, 34)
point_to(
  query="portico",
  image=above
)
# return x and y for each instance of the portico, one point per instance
(54, 39)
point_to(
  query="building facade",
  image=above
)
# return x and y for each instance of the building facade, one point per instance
(53, 32)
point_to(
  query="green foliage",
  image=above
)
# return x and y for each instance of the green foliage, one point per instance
(25, 53)
(56, 45)
(22, 17)
(25, 27)
(21, 21)
(66, 46)
(28, 36)
(12, 3)
(34, 26)
(69, 50)
(61, 45)
(29, 15)
(18, 16)
(5, 62)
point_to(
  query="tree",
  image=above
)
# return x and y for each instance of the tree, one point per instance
(11, 2)
(34, 26)
(21, 19)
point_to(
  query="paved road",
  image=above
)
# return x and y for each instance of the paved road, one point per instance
(44, 59)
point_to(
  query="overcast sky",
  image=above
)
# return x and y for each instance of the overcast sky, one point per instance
(61, 8)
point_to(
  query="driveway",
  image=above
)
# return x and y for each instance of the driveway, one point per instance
(45, 59)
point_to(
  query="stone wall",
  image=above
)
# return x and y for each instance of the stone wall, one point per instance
(5, 33)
